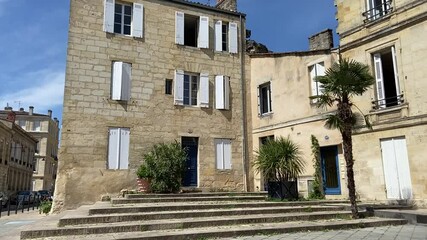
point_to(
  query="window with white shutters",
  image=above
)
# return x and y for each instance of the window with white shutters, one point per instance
(191, 30)
(191, 89)
(118, 148)
(222, 36)
(123, 18)
(223, 153)
(316, 70)
(232, 38)
(121, 81)
(222, 92)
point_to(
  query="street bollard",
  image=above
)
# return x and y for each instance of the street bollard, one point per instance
(8, 207)
(29, 200)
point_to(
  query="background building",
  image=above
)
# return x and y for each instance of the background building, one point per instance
(175, 72)
(46, 130)
(389, 36)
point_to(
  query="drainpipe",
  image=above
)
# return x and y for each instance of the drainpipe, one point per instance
(244, 118)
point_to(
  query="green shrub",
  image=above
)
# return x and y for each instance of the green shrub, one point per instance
(45, 207)
(166, 165)
(144, 172)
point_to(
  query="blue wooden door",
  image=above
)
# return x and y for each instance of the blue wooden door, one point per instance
(330, 170)
(190, 177)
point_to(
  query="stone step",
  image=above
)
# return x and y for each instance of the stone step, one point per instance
(191, 195)
(184, 223)
(177, 206)
(186, 199)
(228, 231)
(195, 213)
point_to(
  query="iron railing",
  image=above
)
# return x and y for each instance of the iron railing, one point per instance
(378, 11)
(388, 102)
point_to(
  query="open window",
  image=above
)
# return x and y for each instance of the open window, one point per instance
(191, 89)
(123, 18)
(191, 30)
(316, 70)
(225, 37)
(387, 81)
(377, 8)
(264, 99)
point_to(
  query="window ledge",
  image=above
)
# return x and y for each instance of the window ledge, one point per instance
(268, 114)
(389, 113)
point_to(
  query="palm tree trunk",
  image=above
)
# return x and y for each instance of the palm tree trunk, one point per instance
(345, 114)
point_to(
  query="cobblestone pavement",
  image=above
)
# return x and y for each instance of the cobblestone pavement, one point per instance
(404, 232)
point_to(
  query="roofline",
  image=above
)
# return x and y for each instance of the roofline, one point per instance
(207, 7)
(295, 53)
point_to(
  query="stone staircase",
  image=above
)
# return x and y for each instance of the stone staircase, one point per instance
(199, 216)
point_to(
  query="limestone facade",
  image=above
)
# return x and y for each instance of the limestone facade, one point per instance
(389, 36)
(46, 131)
(17, 154)
(290, 111)
(154, 110)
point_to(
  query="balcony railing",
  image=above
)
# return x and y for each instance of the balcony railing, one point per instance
(388, 102)
(378, 11)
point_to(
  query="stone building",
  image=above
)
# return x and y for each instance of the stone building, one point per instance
(46, 131)
(17, 148)
(280, 87)
(142, 72)
(389, 36)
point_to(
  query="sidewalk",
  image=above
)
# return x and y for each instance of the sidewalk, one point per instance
(11, 226)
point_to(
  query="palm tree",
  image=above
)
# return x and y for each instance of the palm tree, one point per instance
(345, 79)
(279, 160)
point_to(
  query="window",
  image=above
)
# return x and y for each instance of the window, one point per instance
(222, 92)
(264, 140)
(264, 98)
(223, 153)
(118, 148)
(191, 30)
(225, 37)
(316, 70)
(191, 89)
(387, 81)
(123, 18)
(22, 123)
(120, 81)
(168, 86)
(377, 9)
(36, 126)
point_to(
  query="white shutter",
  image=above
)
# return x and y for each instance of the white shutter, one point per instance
(204, 90)
(390, 171)
(109, 16)
(116, 81)
(232, 35)
(126, 81)
(396, 75)
(379, 80)
(320, 70)
(313, 82)
(402, 165)
(218, 36)
(113, 148)
(259, 100)
(203, 36)
(227, 153)
(219, 154)
(138, 20)
(270, 97)
(226, 92)
(179, 88)
(124, 148)
(179, 28)
(219, 92)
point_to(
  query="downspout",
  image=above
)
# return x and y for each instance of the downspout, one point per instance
(244, 117)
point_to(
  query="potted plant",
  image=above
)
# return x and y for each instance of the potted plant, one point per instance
(144, 178)
(281, 162)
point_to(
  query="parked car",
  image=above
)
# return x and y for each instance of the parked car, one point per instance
(3, 199)
(25, 197)
(45, 195)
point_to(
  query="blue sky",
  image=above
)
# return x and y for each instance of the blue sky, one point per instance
(33, 45)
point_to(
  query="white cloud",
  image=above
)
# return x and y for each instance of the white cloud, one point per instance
(45, 91)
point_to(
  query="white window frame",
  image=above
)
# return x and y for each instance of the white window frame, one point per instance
(260, 99)
(118, 148)
(136, 15)
(22, 123)
(223, 153)
(374, 12)
(315, 70)
(191, 95)
(37, 127)
(122, 18)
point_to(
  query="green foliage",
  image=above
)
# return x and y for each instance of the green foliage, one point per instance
(166, 164)
(317, 192)
(279, 160)
(45, 207)
(144, 172)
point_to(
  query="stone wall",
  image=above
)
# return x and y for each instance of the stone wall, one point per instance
(230, 5)
(322, 40)
(151, 115)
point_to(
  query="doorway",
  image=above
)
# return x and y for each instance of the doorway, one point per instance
(192, 146)
(330, 170)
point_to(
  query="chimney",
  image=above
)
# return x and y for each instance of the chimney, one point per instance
(11, 116)
(230, 5)
(30, 112)
(322, 40)
(21, 109)
(56, 121)
(49, 113)
(8, 108)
